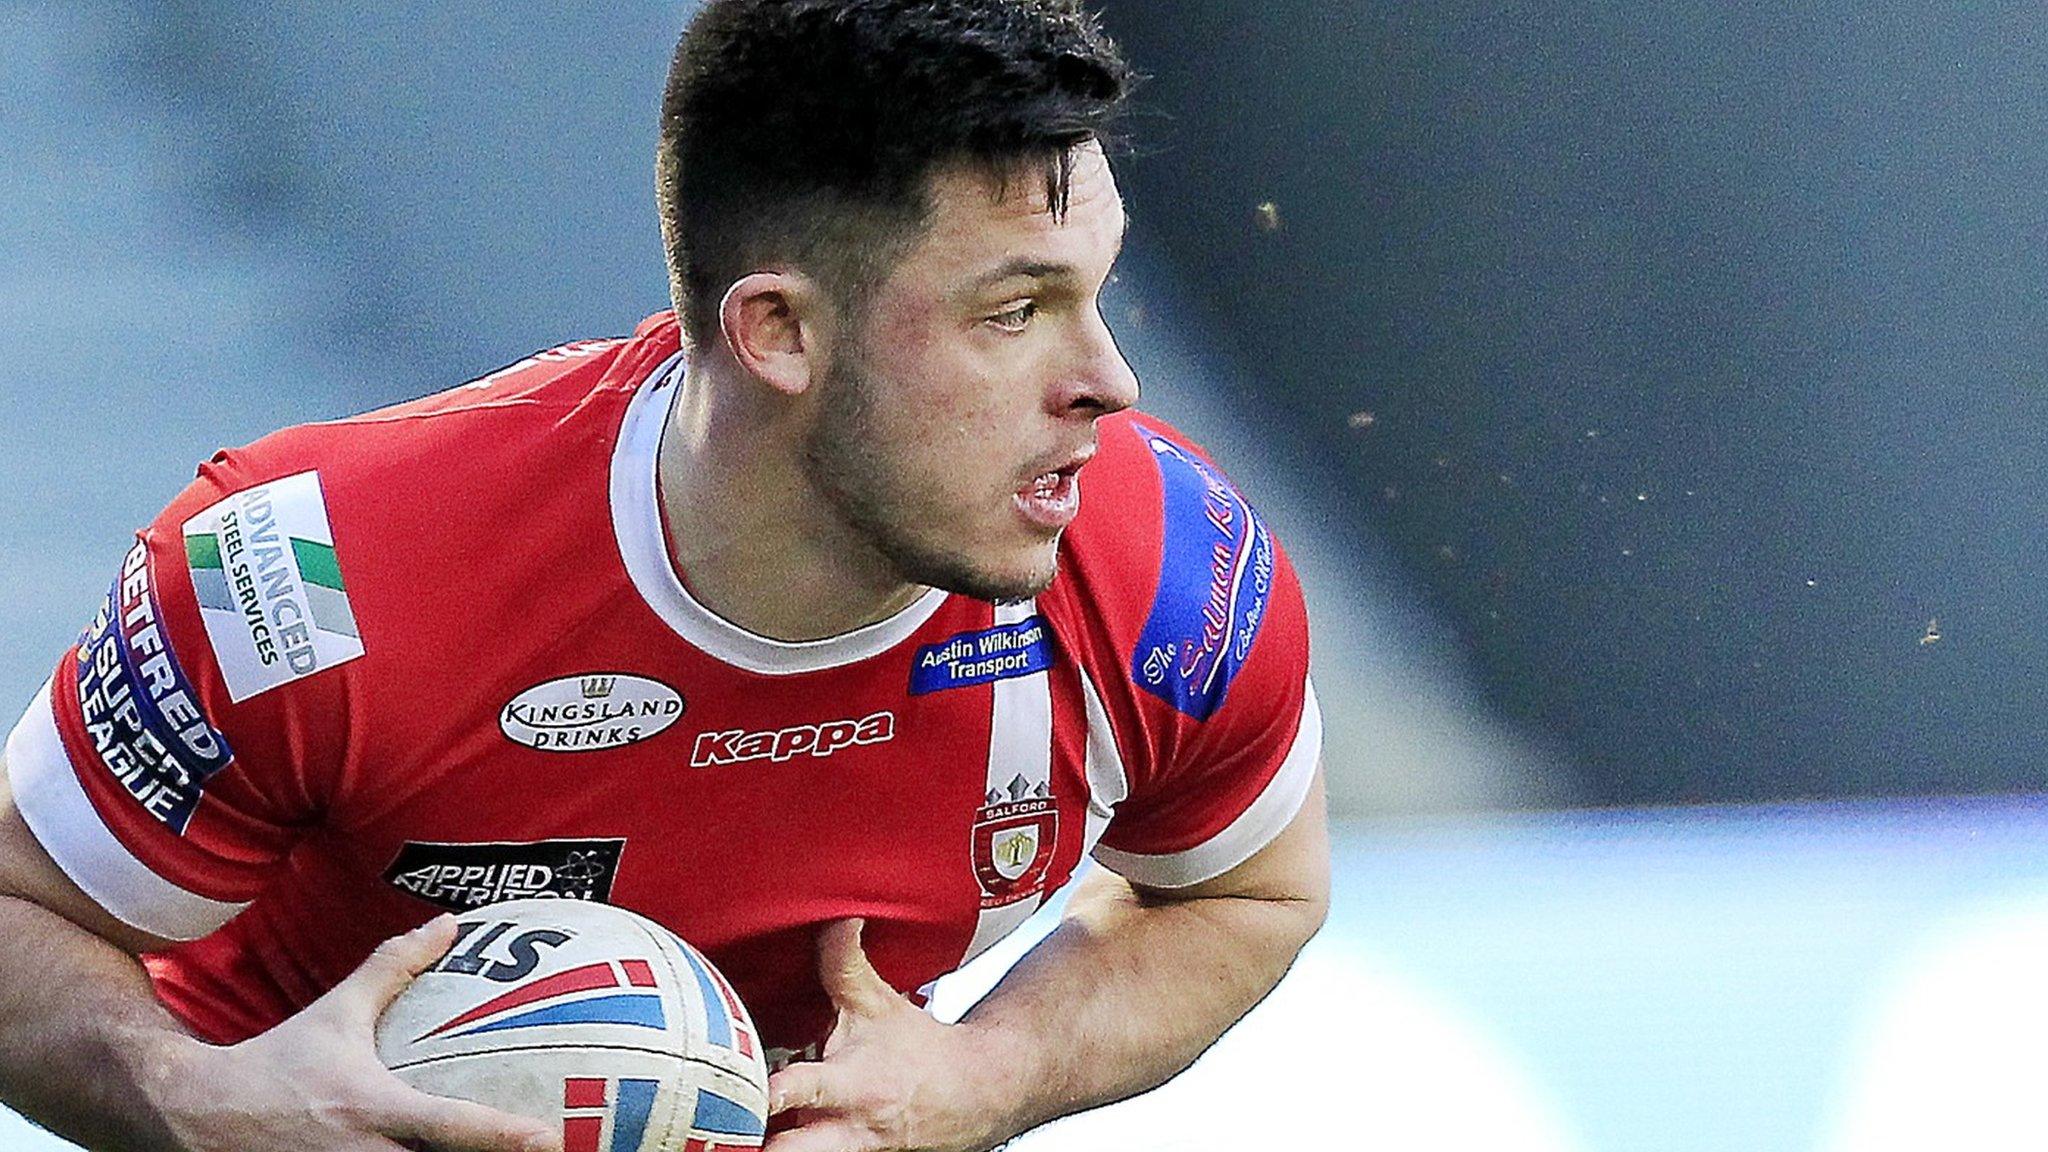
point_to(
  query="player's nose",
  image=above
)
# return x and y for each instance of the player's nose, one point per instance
(1102, 381)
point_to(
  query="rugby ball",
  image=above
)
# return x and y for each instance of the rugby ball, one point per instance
(588, 1017)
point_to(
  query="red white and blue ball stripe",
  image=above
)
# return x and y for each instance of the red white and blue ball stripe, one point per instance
(561, 999)
(720, 1125)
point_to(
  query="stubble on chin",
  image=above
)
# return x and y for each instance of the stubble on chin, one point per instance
(845, 463)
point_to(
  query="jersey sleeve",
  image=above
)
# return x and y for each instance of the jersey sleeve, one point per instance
(1221, 734)
(188, 735)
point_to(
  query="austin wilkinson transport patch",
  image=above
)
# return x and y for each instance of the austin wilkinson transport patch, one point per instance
(269, 586)
(969, 658)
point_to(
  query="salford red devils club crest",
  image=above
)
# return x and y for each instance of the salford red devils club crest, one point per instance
(1014, 836)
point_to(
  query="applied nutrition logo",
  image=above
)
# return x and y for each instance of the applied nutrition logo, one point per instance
(459, 877)
(270, 586)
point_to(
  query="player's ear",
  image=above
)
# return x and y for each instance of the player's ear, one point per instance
(774, 325)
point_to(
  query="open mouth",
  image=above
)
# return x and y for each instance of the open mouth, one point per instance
(1052, 499)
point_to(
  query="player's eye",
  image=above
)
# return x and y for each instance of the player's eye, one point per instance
(1017, 318)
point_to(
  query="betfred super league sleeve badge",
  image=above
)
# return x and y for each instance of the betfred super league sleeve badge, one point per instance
(270, 586)
(137, 706)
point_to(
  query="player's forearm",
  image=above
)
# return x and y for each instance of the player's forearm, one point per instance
(1127, 992)
(85, 1048)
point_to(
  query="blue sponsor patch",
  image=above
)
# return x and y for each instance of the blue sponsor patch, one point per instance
(140, 711)
(997, 653)
(1216, 572)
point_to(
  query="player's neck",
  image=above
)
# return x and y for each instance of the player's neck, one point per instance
(748, 536)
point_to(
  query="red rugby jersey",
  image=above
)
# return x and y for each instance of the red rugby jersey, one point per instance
(437, 655)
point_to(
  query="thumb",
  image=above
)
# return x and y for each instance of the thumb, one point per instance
(449, 1125)
(377, 982)
(849, 979)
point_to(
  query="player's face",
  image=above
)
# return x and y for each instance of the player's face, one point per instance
(951, 430)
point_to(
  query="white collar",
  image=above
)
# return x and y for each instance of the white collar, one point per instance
(636, 520)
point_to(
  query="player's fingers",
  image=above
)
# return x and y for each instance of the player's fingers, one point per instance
(378, 981)
(447, 1125)
(808, 1086)
(849, 979)
(823, 1136)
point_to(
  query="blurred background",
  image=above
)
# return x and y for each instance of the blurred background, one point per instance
(1650, 394)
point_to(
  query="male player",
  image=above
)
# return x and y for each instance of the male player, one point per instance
(782, 621)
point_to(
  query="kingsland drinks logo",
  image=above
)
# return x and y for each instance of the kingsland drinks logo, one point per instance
(1216, 572)
(590, 712)
(270, 586)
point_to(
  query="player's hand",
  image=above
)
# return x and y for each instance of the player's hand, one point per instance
(314, 1084)
(893, 1079)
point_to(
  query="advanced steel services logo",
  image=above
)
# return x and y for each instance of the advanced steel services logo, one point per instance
(270, 586)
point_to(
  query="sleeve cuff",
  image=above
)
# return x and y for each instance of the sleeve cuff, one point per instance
(1255, 828)
(55, 807)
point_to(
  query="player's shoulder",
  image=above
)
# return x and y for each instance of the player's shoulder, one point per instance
(1168, 563)
(533, 397)
(542, 420)
(358, 520)
(1155, 504)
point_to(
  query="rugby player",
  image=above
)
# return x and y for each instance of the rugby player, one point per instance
(782, 621)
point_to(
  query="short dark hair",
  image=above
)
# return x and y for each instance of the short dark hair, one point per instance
(807, 131)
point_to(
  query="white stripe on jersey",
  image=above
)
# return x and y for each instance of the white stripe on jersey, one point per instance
(1252, 830)
(1107, 784)
(1019, 746)
(55, 807)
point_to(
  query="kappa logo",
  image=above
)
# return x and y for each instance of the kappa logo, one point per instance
(780, 744)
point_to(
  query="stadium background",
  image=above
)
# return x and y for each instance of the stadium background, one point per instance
(1650, 393)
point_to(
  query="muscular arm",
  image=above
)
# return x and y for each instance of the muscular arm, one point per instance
(87, 1050)
(1131, 987)
(83, 1039)
(1136, 983)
